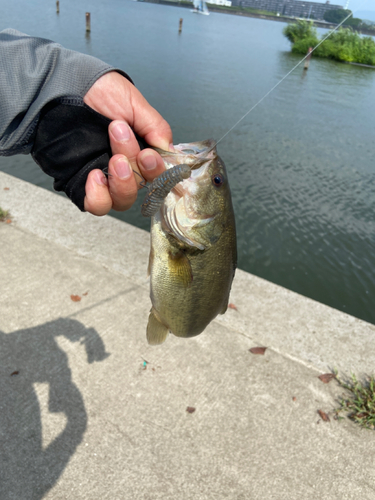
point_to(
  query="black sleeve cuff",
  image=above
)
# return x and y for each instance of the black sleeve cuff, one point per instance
(71, 140)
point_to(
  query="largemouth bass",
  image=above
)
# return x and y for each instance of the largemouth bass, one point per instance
(193, 253)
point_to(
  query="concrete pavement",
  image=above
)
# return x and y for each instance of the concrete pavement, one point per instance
(89, 410)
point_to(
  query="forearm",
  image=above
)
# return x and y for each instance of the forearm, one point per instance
(33, 72)
(43, 112)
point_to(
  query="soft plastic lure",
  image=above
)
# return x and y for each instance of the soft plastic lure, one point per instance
(162, 186)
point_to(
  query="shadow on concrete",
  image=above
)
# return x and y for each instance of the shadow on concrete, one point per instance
(27, 470)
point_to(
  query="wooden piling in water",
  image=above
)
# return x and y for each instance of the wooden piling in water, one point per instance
(57, 7)
(307, 60)
(88, 22)
(180, 25)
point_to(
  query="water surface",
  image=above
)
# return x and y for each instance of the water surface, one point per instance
(301, 165)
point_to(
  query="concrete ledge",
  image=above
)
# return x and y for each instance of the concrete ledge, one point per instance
(89, 411)
(270, 315)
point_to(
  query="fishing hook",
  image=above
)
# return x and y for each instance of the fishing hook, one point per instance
(143, 182)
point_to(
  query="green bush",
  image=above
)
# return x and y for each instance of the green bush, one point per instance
(303, 45)
(299, 30)
(325, 50)
(342, 45)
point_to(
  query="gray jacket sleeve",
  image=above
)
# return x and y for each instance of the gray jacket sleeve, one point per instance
(34, 72)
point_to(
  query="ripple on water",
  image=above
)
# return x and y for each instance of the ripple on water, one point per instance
(301, 165)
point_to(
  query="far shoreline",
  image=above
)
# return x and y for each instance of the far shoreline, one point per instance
(255, 15)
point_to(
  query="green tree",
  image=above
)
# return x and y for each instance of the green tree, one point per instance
(336, 15)
(355, 22)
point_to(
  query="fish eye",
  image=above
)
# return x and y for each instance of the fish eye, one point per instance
(217, 180)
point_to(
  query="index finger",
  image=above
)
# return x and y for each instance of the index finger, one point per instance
(149, 124)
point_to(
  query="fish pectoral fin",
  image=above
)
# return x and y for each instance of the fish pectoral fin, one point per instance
(150, 262)
(180, 268)
(156, 331)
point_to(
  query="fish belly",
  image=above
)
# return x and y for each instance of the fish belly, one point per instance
(188, 289)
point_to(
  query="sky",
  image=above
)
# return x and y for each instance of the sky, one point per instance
(354, 5)
(360, 4)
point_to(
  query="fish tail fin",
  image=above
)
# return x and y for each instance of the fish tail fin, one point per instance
(156, 331)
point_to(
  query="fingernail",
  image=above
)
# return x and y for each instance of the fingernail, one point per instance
(122, 168)
(149, 162)
(121, 132)
(100, 178)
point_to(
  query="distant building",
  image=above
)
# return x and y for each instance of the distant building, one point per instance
(292, 8)
(226, 3)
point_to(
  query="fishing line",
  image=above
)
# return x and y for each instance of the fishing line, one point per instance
(149, 198)
(280, 81)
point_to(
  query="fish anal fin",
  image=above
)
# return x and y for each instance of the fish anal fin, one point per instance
(156, 331)
(225, 307)
(224, 310)
(180, 268)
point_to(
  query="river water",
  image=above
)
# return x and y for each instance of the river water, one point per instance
(301, 165)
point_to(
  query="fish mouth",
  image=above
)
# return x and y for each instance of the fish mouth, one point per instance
(180, 217)
(198, 155)
(189, 188)
(190, 148)
(194, 154)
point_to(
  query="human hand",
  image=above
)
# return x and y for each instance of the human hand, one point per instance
(115, 97)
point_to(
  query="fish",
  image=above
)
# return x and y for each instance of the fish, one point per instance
(193, 254)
